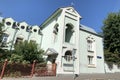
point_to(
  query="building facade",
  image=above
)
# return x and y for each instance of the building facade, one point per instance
(74, 47)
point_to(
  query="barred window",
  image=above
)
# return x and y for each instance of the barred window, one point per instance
(68, 56)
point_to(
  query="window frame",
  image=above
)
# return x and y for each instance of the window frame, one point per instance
(68, 56)
(91, 56)
(5, 38)
(18, 41)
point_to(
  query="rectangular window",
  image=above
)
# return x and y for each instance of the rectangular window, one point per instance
(90, 60)
(19, 40)
(91, 49)
(4, 40)
(90, 45)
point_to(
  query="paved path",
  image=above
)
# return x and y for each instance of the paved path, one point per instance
(115, 76)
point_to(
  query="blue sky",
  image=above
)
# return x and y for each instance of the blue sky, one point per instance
(34, 12)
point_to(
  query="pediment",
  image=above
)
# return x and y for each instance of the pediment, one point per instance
(72, 10)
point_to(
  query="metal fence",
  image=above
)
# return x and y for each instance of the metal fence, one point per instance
(19, 70)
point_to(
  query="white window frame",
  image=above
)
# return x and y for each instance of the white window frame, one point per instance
(18, 40)
(68, 58)
(91, 49)
(90, 45)
(4, 40)
(91, 61)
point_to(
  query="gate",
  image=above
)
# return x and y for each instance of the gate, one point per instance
(46, 70)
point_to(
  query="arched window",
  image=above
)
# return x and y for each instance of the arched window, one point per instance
(68, 56)
(55, 31)
(69, 33)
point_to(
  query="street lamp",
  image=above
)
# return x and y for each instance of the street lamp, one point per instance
(73, 57)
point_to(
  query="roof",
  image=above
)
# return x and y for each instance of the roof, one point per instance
(51, 51)
(59, 10)
(50, 17)
(88, 29)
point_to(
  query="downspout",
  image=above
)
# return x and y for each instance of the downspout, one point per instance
(41, 40)
(16, 29)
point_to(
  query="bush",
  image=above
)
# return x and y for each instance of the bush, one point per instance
(28, 51)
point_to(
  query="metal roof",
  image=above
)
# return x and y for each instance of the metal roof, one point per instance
(86, 28)
(51, 51)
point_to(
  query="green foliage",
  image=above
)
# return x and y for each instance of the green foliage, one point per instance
(4, 54)
(111, 33)
(28, 52)
(23, 53)
(16, 58)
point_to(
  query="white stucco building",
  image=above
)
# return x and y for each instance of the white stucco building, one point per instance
(74, 47)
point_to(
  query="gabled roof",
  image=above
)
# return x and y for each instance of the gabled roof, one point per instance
(59, 10)
(51, 51)
(72, 10)
(51, 17)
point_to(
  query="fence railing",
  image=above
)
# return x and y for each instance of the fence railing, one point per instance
(18, 70)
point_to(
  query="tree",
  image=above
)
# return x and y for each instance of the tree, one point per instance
(27, 51)
(111, 33)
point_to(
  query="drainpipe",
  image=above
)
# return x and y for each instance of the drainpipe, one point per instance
(29, 35)
(16, 29)
(41, 39)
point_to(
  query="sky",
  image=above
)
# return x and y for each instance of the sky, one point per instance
(35, 12)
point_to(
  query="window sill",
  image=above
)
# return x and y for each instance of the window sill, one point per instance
(91, 66)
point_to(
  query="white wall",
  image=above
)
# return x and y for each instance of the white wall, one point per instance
(99, 68)
(21, 33)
